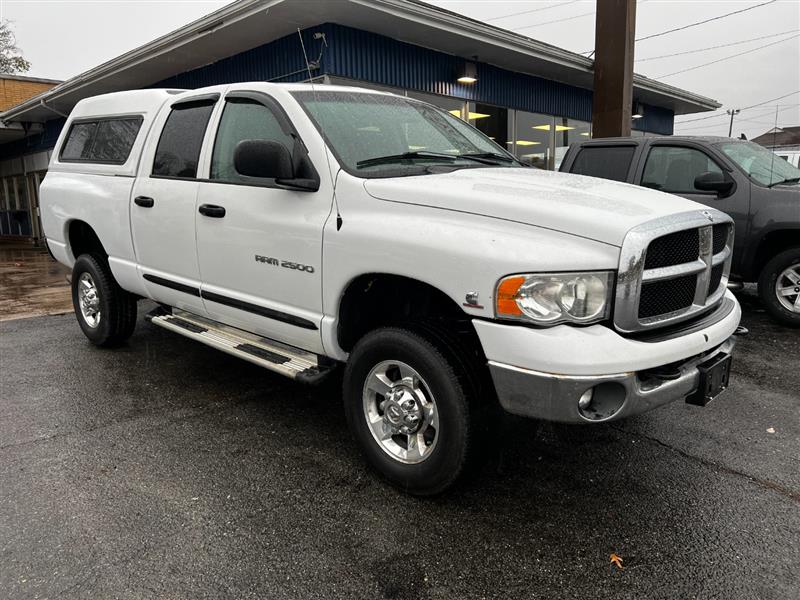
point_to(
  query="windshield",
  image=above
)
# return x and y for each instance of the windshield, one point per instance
(407, 136)
(763, 165)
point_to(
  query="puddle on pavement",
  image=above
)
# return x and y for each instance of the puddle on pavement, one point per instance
(31, 283)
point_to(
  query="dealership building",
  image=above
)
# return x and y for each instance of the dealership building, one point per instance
(532, 98)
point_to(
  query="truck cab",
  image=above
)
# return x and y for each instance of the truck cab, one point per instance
(758, 189)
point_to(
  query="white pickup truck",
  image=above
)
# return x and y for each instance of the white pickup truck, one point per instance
(300, 227)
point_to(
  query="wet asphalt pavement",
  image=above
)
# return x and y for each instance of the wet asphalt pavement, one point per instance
(166, 469)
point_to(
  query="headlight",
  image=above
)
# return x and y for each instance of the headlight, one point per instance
(551, 298)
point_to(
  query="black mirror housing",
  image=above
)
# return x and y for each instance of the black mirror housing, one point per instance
(263, 159)
(713, 181)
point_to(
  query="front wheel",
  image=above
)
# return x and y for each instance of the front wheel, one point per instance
(779, 287)
(106, 313)
(408, 406)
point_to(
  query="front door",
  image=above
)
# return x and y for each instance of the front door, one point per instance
(260, 246)
(163, 206)
(673, 168)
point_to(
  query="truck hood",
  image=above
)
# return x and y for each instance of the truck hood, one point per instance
(596, 209)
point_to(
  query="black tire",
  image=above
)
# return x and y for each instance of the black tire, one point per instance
(117, 317)
(448, 384)
(767, 281)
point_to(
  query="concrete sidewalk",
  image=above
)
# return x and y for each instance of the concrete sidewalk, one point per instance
(31, 283)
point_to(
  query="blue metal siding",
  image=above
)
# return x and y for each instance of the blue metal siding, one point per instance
(281, 60)
(35, 143)
(365, 56)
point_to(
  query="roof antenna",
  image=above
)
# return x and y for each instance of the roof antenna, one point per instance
(774, 133)
(317, 36)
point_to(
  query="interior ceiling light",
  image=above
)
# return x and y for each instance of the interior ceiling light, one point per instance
(525, 143)
(585, 134)
(468, 73)
(558, 127)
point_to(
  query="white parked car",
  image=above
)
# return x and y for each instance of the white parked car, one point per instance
(302, 227)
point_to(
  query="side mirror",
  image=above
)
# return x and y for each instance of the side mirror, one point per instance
(713, 181)
(263, 159)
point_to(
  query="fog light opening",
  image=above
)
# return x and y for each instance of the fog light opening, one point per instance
(586, 399)
(602, 402)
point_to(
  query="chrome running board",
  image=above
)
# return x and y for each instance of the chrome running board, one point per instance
(280, 358)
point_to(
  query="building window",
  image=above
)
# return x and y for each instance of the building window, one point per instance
(492, 121)
(533, 139)
(568, 131)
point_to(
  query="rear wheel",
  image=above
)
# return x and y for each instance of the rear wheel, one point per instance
(106, 313)
(407, 403)
(779, 287)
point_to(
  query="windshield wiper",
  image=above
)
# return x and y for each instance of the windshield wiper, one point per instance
(390, 158)
(485, 158)
(790, 180)
(489, 155)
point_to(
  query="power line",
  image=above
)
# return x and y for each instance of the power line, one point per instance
(533, 10)
(747, 108)
(588, 14)
(763, 37)
(773, 100)
(713, 62)
(764, 114)
(717, 18)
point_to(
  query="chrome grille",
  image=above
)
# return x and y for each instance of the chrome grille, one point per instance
(672, 269)
(666, 296)
(673, 249)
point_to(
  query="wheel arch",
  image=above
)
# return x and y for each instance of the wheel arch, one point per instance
(83, 239)
(377, 299)
(771, 243)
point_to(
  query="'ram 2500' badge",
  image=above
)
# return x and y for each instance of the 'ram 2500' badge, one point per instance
(286, 264)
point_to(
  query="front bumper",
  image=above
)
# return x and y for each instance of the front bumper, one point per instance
(542, 373)
(553, 397)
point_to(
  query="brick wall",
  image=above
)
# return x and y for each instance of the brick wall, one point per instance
(14, 91)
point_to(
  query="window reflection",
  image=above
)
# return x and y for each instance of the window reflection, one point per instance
(569, 131)
(533, 139)
(492, 121)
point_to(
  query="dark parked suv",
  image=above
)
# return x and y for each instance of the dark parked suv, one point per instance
(753, 185)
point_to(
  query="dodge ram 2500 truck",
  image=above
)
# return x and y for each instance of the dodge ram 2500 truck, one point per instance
(300, 227)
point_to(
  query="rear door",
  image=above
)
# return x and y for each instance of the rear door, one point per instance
(163, 204)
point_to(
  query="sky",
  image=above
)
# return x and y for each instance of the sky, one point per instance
(62, 38)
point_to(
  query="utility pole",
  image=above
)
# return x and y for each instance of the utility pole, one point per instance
(733, 112)
(615, 32)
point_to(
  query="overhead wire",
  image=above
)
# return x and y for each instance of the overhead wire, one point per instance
(533, 10)
(695, 24)
(719, 60)
(763, 37)
(704, 21)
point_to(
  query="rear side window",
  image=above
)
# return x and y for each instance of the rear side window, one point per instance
(607, 162)
(178, 150)
(105, 141)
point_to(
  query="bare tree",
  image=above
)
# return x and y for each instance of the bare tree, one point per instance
(11, 60)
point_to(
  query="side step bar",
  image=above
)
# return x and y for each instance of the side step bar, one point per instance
(273, 355)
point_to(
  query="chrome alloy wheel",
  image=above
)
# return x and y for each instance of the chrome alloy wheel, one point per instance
(401, 412)
(89, 300)
(787, 288)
